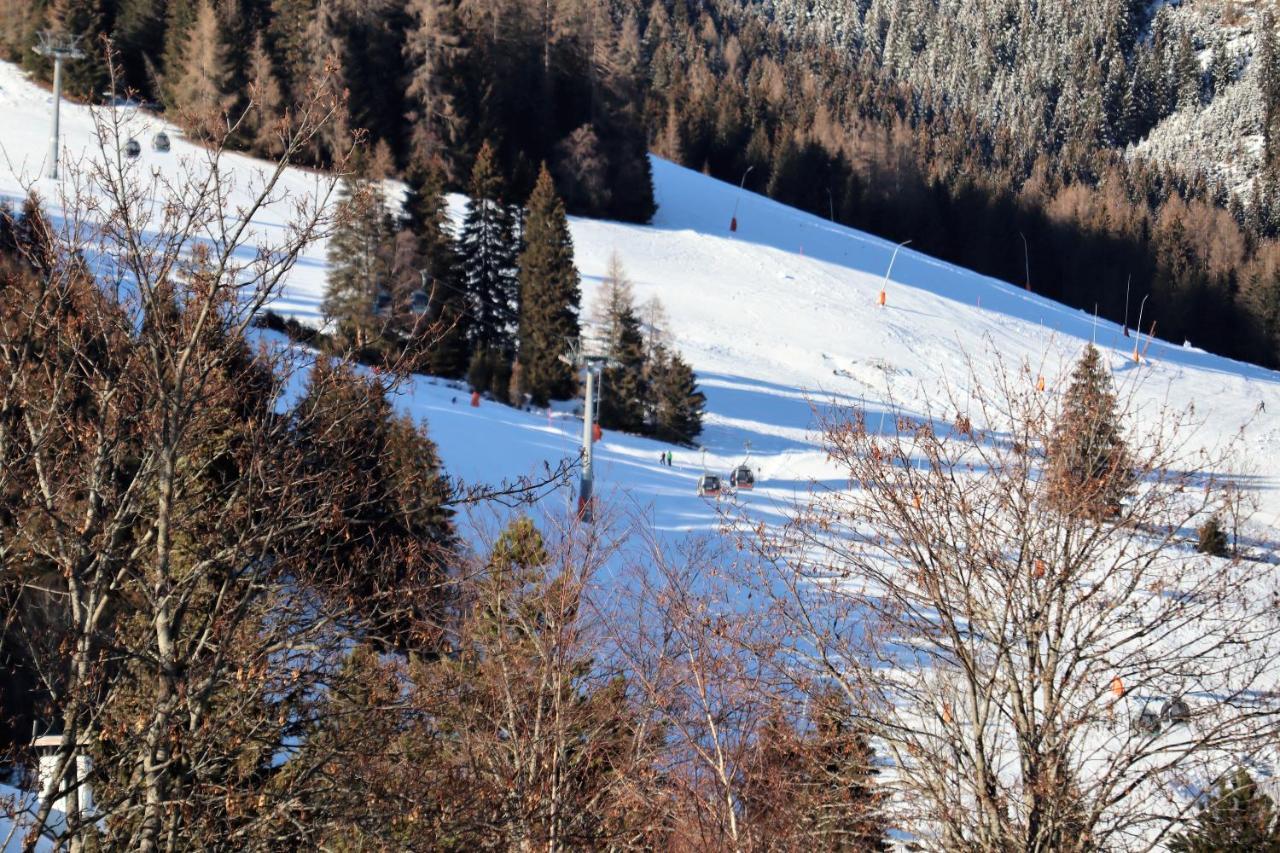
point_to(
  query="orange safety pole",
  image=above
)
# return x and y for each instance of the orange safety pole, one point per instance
(880, 301)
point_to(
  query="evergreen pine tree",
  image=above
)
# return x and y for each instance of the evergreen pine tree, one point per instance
(388, 540)
(1187, 73)
(436, 255)
(180, 16)
(1235, 818)
(814, 788)
(138, 34)
(287, 40)
(549, 296)
(489, 251)
(624, 386)
(480, 371)
(678, 403)
(1268, 59)
(1222, 67)
(359, 262)
(1088, 465)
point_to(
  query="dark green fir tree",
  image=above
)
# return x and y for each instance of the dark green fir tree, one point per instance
(1235, 818)
(549, 297)
(1089, 469)
(678, 403)
(360, 262)
(489, 249)
(436, 266)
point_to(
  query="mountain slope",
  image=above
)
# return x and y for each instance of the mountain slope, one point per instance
(777, 317)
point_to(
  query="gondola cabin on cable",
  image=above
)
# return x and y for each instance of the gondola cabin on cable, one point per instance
(160, 142)
(132, 149)
(708, 485)
(1147, 722)
(742, 478)
(1176, 712)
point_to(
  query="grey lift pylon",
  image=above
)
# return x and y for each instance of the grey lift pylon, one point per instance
(59, 49)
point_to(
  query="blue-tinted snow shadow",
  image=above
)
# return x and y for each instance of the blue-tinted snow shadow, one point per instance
(109, 273)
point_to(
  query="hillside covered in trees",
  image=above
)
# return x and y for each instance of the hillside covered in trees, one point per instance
(1038, 143)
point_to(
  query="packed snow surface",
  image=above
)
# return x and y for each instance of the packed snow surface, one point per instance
(777, 318)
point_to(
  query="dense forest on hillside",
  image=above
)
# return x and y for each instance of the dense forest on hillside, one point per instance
(1008, 160)
(732, 91)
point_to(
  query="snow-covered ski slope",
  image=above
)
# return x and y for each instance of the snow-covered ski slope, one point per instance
(776, 318)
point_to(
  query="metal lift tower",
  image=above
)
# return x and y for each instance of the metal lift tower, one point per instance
(59, 49)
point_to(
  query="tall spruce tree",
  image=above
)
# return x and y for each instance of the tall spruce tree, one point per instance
(678, 404)
(138, 34)
(625, 386)
(436, 258)
(360, 258)
(1088, 466)
(549, 297)
(489, 249)
(1235, 818)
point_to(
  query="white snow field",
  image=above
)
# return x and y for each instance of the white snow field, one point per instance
(777, 318)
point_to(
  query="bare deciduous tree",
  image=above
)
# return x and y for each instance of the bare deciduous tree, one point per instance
(1015, 661)
(150, 489)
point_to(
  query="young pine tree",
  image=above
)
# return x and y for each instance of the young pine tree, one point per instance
(435, 260)
(549, 296)
(813, 788)
(1089, 469)
(625, 386)
(678, 403)
(1235, 818)
(388, 539)
(1211, 538)
(489, 249)
(359, 262)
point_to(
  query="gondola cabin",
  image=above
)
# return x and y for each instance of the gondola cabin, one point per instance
(742, 478)
(708, 485)
(160, 142)
(132, 149)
